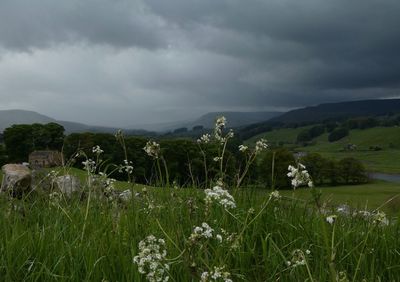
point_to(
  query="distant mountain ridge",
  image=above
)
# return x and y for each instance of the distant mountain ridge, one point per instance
(349, 109)
(10, 117)
(323, 112)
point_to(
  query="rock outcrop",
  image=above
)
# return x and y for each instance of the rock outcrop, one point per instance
(17, 179)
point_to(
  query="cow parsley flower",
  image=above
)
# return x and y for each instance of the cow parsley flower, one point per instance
(331, 219)
(218, 274)
(152, 149)
(97, 150)
(243, 148)
(220, 196)
(261, 145)
(274, 195)
(205, 138)
(203, 231)
(89, 165)
(151, 259)
(300, 176)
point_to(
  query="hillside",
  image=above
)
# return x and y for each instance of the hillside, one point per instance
(10, 117)
(340, 110)
(386, 138)
(235, 119)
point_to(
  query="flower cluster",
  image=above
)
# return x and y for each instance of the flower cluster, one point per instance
(204, 232)
(97, 150)
(152, 149)
(378, 217)
(151, 259)
(218, 274)
(299, 176)
(261, 145)
(205, 138)
(331, 219)
(127, 167)
(298, 258)
(221, 196)
(275, 195)
(89, 165)
(243, 148)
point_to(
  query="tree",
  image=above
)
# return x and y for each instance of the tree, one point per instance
(352, 171)
(19, 142)
(338, 134)
(273, 168)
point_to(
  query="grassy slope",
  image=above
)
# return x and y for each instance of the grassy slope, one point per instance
(386, 160)
(367, 196)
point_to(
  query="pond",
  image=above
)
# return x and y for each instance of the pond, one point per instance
(386, 177)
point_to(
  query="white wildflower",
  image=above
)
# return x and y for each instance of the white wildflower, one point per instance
(89, 165)
(298, 258)
(151, 259)
(97, 150)
(261, 145)
(275, 195)
(331, 219)
(152, 149)
(379, 218)
(218, 274)
(300, 176)
(219, 126)
(203, 231)
(217, 159)
(205, 138)
(221, 196)
(243, 148)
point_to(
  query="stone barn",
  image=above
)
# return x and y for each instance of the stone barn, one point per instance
(41, 159)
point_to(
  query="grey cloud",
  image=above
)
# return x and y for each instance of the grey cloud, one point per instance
(25, 25)
(142, 61)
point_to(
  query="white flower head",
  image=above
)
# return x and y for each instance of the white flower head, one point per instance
(300, 176)
(243, 148)
(151, 259)
(261, 145)
(152, 149)
(204, 139)
(331, 219)
(97, 150)
(220, 196)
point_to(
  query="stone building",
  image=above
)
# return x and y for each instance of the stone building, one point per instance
(41, 159)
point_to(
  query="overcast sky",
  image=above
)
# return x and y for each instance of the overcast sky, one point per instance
(127, 62)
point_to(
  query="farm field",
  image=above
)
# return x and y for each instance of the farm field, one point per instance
(384, 160)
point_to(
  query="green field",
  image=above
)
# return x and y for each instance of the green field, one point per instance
(385, 160)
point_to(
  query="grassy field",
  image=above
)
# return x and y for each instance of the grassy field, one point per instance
(385, 160)
(92, 239)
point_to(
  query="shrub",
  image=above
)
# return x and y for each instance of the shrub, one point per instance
(338, 134)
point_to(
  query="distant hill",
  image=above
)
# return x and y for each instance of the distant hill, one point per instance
(340, 110)
(235, 119)
(323, 112)
(10, 117)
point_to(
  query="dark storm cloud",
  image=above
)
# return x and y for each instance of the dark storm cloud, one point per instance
(38, 24)
(186, 57)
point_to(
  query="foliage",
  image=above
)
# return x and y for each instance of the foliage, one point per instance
(22, 139)
(273, 168)
(338, 134)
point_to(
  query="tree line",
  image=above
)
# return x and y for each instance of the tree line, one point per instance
(185, 160)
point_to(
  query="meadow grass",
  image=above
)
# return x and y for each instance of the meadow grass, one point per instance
(385, 160)
(46, 240)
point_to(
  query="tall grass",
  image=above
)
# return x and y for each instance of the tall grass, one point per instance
(41, 240)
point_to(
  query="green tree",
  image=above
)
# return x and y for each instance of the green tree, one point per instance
(19, 142)
(273, 168)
